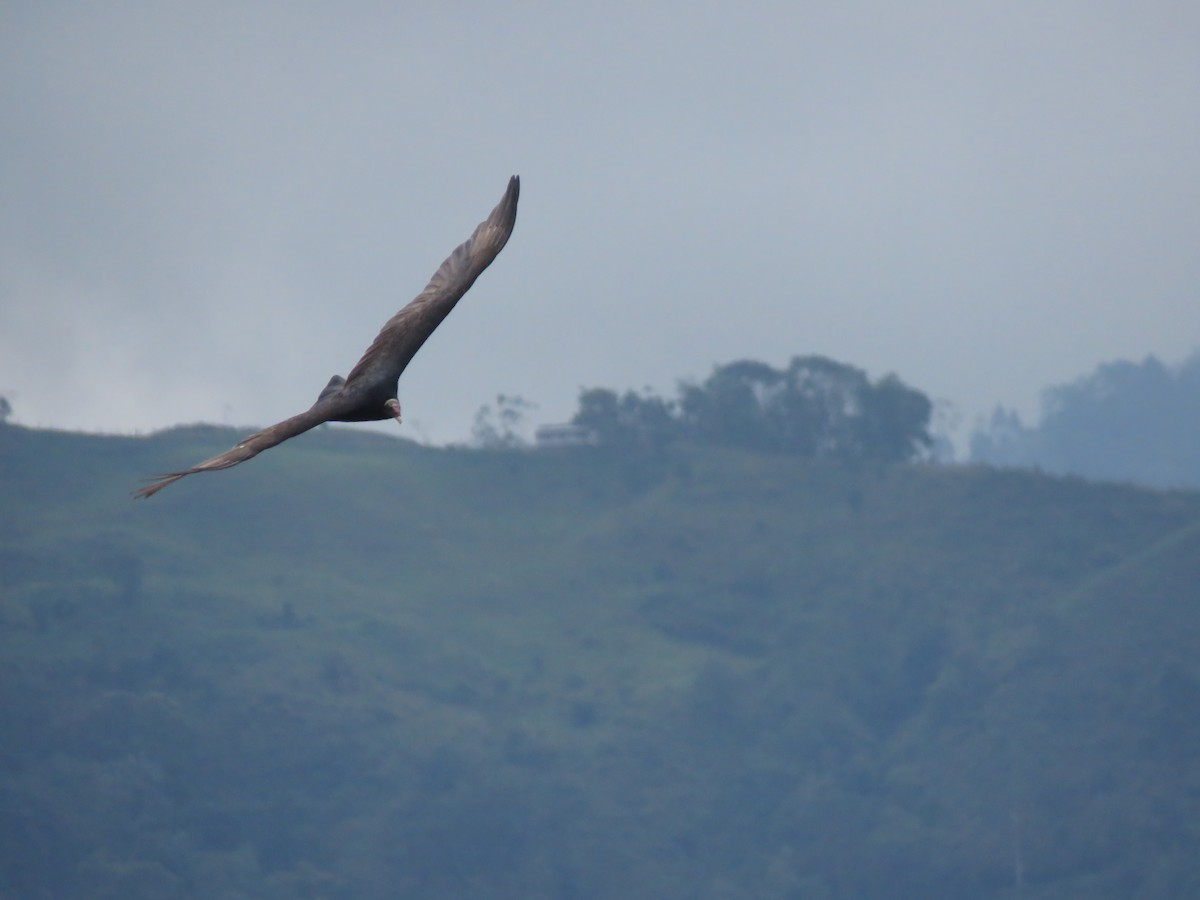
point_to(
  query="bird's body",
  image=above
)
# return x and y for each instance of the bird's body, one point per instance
(368, 393)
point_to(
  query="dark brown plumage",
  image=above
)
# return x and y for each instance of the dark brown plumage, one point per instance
(368, 393)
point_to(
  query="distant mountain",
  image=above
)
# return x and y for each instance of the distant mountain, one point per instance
(360, 668)
(1126, 421)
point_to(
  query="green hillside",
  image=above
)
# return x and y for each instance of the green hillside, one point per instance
(359, 668)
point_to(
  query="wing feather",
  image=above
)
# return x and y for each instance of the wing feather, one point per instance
(244, 449)
(404, 333)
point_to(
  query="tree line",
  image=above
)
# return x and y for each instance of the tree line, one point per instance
(1125, 420)
(815, 407)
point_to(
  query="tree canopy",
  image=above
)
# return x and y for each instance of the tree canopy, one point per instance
(815, 408)
(1125, 420)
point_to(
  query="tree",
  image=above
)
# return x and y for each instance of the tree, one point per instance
(1125, 420)
(816, 407)
(643, 420)
(894, 424)
(599, 410)
(735, 406)
(500, 427)
(824, 407)
(5, 409)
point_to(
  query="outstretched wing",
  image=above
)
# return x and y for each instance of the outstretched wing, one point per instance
(405, 332)
(391, 350)
(245, 449)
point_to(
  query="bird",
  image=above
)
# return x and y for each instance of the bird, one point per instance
(368, 393)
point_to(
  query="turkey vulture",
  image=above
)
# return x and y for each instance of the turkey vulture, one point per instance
(368, 393)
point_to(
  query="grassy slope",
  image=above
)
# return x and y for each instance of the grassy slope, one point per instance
(355, 665)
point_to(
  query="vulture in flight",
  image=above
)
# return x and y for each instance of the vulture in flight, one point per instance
(368, 393)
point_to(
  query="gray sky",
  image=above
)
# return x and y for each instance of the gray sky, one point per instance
(209, 208)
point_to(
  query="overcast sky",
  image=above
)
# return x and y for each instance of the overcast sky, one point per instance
(207, 209)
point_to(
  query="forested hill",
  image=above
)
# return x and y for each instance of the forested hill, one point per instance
(359, 668)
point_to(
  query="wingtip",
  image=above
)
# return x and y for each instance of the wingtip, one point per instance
(156, 484)
(505, 213)
(147, 490)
